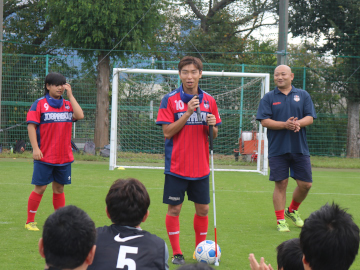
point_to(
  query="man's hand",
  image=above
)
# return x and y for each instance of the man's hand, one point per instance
(297, 125)
(254, 265)
(292, 124)
(211, 119)
(193, 104)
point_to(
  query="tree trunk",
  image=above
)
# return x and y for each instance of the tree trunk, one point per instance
(101, 137)
(353, 134)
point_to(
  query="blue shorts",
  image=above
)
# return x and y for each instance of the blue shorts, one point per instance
(175, 187)
(299, 165)
(44, 174)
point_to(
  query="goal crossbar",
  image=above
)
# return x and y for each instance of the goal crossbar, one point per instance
(265, 77)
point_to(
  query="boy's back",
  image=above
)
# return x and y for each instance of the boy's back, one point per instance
(118, 246)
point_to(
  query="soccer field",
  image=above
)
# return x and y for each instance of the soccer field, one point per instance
(245, 216)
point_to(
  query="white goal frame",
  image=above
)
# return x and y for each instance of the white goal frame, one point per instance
(265, 87)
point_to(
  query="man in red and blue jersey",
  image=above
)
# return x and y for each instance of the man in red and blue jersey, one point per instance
(187, 151)
(49, 126)
(285, 112)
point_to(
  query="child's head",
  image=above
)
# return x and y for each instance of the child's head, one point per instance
(127, 202)
(54, 78)
(289, 255)
(68, 237)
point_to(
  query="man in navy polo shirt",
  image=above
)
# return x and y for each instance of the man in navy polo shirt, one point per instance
(285, 112)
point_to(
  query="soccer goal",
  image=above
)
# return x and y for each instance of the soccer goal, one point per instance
(137, 142)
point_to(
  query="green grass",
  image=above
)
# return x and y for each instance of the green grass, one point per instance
(245, 216)
(127, 158)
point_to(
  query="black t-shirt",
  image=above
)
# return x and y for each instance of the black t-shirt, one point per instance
(121, 247)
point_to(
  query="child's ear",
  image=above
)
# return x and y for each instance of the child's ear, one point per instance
(41, 248)
(146, 216)
(107, 213)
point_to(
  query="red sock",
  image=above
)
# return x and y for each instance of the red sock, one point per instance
(280, 215)
(294, 206)
(33, 205)
(58, 200)
(173, 230)
(201, 228)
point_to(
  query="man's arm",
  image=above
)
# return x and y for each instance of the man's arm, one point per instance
(306, 121)
(78, 112)
(37, 154)
(170, 130)
(290, 124)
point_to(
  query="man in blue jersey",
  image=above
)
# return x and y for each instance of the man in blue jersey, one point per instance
(285, 112)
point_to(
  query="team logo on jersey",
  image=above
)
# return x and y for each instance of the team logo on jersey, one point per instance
(67, 107)
(65, 116)
(46, 106)
(117, 238)
(206, 104)
(296, 98)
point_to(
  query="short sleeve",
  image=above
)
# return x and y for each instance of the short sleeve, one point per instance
(165, 113)
(309, 109)
(34, 114)
(264, 109)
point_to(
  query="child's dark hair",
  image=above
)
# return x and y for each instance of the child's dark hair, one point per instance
(54, 78)
(127, 202)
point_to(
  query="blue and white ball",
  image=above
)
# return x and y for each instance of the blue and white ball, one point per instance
(205, 252)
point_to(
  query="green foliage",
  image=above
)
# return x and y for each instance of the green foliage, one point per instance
(26, 27)
(338, 22)
(220, 32)
(100, 25)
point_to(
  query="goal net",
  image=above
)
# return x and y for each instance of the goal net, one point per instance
(137, 142)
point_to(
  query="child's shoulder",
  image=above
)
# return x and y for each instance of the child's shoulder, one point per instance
(39, 99)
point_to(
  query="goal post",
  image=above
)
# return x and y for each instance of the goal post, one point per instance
(136, 141)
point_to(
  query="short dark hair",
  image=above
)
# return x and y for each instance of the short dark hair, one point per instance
(196, 266)
(127, 202)
(69, 235)
(330, 239)
(54, 78)
(188, 60)
(289, 255)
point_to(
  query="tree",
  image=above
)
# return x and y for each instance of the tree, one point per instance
(26, 29)
(224, 27)
(336, 21)
(101, 26)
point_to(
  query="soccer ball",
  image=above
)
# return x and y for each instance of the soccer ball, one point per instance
(205, 252)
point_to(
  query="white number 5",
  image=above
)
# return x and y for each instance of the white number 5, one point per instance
(122, 261)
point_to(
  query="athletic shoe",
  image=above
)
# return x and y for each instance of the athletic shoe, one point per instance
(194, 257)
(178, 259)
(282, 226)
(31, 226)
(295, 217)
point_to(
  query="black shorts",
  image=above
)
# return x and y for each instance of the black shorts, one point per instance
(175, 187)
(299, 165)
